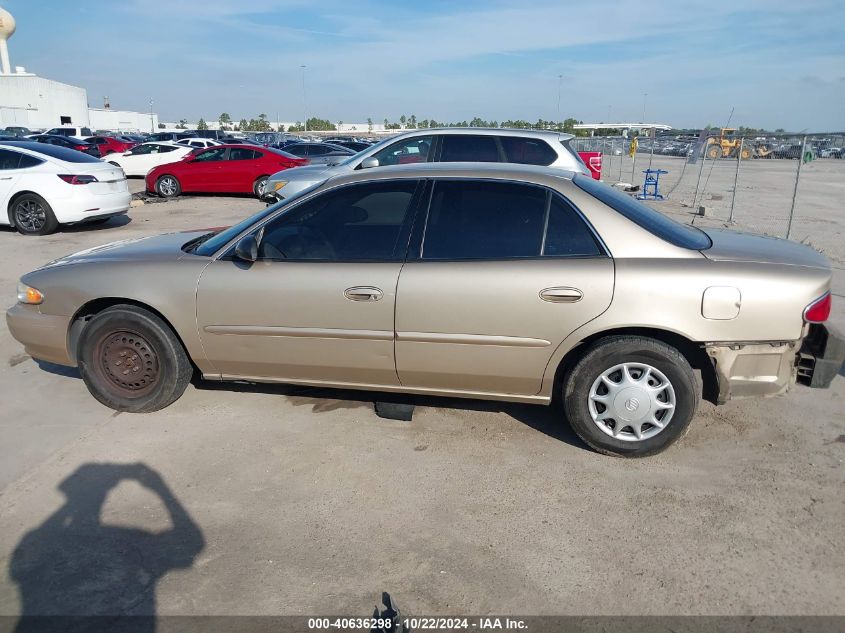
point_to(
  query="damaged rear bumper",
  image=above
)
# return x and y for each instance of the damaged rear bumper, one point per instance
(821, 356)
(746, 370)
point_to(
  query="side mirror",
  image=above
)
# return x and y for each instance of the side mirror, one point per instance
(247, 248)
(370, 161)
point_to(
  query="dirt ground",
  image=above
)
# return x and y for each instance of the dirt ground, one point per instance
(270, 500)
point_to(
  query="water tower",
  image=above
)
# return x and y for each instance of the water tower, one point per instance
(7, 28)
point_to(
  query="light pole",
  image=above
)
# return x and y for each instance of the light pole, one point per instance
(304, 99)
(645, 96)
(559, 87)
(152, 129)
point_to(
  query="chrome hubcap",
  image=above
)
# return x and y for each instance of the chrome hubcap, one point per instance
(30, 216)
(262, 185)
(167, 186)
(632, 402)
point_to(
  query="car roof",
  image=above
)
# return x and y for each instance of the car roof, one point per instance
(488, 131)
(30, 146)
(549, 176)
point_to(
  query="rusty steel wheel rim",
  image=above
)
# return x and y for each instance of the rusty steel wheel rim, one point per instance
(127, 363)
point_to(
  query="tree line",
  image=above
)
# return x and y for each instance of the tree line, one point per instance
(316, 124)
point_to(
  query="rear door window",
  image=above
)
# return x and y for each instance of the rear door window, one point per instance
(9, 159)
(527, 151)
(566, 233)
(484, 220)
(469, 148)
(241, 153)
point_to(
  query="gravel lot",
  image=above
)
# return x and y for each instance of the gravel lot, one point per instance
(302, 501)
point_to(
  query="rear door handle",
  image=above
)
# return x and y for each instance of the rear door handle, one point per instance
(561, 294)
(363, 293)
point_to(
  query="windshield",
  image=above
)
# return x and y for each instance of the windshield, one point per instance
(215, 241)
(652, 221)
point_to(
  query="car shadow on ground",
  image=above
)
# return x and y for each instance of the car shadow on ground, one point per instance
(83, 227)
(74, 563)
(549, 420)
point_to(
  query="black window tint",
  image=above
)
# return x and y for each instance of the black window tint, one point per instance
(9, 159)
(163, 149)
(356, 223)
(241, 153)
(468, 148)
(566, 233)
(318, 150)
(86, 131)
(297, 150)
(527, 151)
(484, 220)
(652, 221)
(28, 161)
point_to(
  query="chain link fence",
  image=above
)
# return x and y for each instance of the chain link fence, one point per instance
(787, 185)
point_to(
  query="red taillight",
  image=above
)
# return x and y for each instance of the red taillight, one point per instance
(819, 310)
(81, 148)
(77, 180)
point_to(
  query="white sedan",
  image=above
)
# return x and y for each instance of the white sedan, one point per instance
(43, 186)
(198, 142)
(142, 158)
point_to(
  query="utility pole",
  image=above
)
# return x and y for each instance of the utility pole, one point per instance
(152, 128)
(645, 96)
(304, 99)
(559, 87)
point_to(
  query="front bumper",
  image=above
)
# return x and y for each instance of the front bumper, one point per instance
(821, 356)
(43, 336)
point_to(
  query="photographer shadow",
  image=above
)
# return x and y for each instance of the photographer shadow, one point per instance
(73, 567)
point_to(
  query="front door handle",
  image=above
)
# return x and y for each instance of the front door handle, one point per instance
(561, 294)
(363, 293)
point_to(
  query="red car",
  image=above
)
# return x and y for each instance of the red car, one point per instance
(593, 161)
(110, 144)
(223, 169)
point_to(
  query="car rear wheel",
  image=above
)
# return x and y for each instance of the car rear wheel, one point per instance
(132, 361)
(168, 187)
(630, 396)
(31, 215)
(260, 186)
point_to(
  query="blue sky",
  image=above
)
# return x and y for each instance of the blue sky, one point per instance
(779, 64)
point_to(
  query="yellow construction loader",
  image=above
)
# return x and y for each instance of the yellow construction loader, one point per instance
(727, 145)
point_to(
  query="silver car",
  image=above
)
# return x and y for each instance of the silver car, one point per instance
(439, 145)
(502, 282)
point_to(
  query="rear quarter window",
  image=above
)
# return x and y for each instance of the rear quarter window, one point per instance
(652, 221)
(527, 151)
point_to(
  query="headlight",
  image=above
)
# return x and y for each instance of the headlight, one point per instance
(28, 294)
(279, 185)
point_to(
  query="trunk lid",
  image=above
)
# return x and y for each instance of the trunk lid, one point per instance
(733, 246)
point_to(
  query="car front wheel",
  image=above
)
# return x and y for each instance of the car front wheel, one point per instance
(630, 396)
(132, 361)
(168, 187)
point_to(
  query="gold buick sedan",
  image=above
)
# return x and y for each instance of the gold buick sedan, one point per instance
(500, 282)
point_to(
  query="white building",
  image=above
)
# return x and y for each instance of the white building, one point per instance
(35, 102)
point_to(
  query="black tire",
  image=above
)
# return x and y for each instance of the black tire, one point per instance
(259, 186)
(31, 215)
(168, 186)
(714, 151)
(132, 361)
(609, 352)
